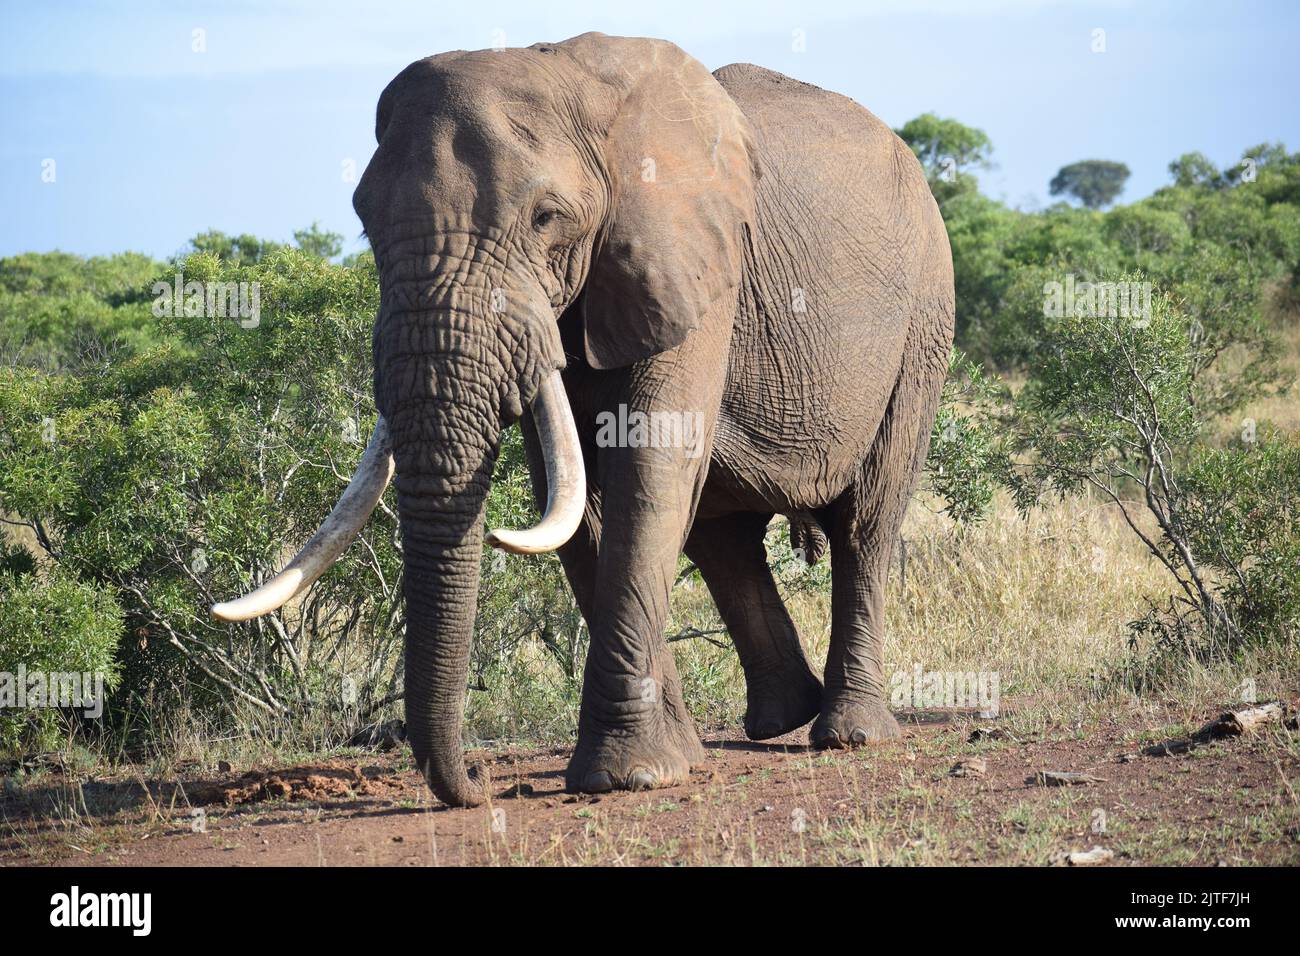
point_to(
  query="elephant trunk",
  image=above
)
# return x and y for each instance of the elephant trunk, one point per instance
(441, 400)
(442, 553)
(442, 489)
(445, 427)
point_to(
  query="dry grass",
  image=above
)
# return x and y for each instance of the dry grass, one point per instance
(1042, 600)
(1280, 410)
(1283, 409)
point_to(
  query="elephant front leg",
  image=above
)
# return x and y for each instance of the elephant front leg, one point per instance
(634, 731)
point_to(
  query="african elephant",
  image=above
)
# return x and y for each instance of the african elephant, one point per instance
(574, 233)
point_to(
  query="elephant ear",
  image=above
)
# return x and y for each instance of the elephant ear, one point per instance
(681, 164)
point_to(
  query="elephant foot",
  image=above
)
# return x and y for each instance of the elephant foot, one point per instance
(847, 723)
(782, 702)
(630, 760)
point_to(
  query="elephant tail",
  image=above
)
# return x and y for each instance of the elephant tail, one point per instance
(807, 537)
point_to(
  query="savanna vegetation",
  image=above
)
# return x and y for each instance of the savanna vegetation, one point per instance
(1109, 507)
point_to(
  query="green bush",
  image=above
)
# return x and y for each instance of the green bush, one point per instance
(61, 311)
(1241, 518)
(186, 474)
(968, 457)
(1219, 251)
(53, 625)
(181, 475)
(1116, 406)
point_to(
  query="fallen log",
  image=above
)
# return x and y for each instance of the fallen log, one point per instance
(1231, 723)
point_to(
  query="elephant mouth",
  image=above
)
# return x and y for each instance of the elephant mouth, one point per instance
(566, 485)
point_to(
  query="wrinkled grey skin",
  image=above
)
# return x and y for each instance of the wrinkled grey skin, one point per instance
(740, 246)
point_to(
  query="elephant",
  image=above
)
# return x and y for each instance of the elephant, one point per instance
(588, 236)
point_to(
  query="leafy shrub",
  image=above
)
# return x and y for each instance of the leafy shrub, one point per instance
(1117, 407)
(62, 311)
(969, 456)
(1219, 251)
(52, 625)
(186, 474)
(1241, 517)
(181, 476)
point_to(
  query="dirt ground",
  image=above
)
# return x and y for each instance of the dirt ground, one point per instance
(1230, 801)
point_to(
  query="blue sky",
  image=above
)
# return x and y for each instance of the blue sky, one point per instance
(153, 142)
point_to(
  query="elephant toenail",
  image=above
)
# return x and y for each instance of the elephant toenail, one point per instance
(859, 736)
(830, 740)
(641, 780)
(598, 782)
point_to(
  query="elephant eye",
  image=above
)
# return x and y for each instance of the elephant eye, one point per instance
(543, 218)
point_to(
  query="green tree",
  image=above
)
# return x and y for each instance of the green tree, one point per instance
(60, 311)
(241, 250)
(1094, 182)
(1115, 405)
(180, 477)
(948, 150)
(316, 242)
(1196, 169)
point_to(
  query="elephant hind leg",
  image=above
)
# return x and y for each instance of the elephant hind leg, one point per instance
(782, 693)
(864, 524)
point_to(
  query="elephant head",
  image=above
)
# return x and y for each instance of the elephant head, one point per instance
(606, 179)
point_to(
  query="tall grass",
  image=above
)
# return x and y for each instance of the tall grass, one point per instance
(1043, 599)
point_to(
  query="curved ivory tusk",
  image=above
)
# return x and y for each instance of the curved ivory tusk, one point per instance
(337, 532)
(566, 479)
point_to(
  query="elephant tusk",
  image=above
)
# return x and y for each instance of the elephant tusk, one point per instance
(566, 478)
(338, 530)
